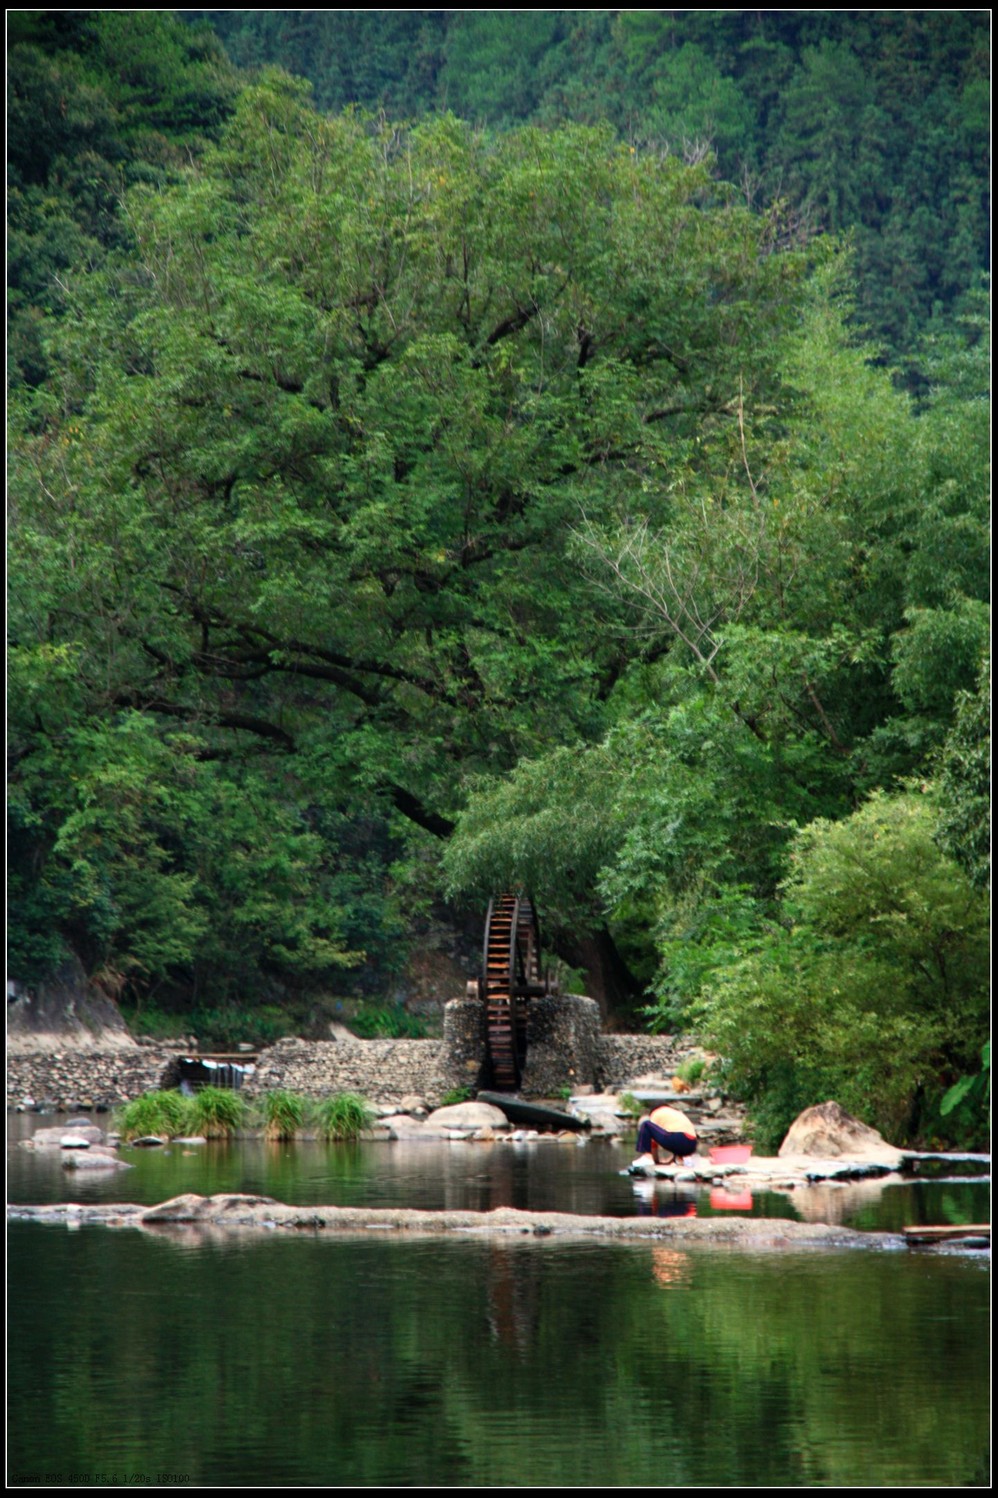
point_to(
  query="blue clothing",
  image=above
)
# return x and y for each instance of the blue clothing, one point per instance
(676, 1144)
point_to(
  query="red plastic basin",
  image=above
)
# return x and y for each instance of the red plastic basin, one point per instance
(730, 1154)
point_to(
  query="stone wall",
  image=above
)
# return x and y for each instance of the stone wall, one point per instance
(83, 1079)
(384, 1071)
(622, 1060)
(563, 1040)
(564, 1049)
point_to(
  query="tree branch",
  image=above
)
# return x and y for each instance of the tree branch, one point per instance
(410, 806)
(224, 718)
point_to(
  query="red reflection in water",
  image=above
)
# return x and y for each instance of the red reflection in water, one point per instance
(731, 1201)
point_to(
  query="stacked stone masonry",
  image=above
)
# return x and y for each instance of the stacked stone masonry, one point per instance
(565, 1050)
(78, 1079)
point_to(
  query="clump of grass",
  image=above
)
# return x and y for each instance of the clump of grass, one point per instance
(456, 1095)
(283, 1113)
(164, 1113)
(691, 1070)
(628, 1103)
(345, 1115)
(216, 1112)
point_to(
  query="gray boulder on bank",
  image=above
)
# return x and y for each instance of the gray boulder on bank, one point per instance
(828, 1131)
(467, 1116)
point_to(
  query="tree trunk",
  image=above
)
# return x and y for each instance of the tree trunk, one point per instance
(608, 978)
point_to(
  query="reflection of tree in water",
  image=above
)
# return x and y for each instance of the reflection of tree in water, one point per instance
(500, 1183)
(513, 1296)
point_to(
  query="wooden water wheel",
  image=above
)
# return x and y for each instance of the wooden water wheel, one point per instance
(511, 978)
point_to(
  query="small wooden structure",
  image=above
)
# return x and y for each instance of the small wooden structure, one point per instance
(511, 977)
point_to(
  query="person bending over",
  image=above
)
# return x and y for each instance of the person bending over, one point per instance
(665, 1131)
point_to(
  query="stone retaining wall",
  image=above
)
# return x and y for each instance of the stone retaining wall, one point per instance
(622, 1059)
(77, 1079)
(385, 1071)
(565, 1049)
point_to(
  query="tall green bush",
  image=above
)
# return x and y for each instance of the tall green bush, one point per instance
(875, 987)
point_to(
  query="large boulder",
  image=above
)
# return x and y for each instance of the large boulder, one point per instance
(829, 1132)
(467, 1116)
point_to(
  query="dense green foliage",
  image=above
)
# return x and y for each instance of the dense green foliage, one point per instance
(878, 974)
(409, 510)
(380, 1022)
(303, 492)
(215, 1112)
(284, 1114)
(218, 1112)
(96, 101)
(875, 122)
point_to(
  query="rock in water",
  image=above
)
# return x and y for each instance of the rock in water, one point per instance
(74, 1142)
(827, 1130)
(94, 1159)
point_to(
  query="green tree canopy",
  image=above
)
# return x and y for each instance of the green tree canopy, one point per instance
(877, 992)
(306, 479)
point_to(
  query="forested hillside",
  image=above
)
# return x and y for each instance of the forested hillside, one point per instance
(404, 510)
(872, 122)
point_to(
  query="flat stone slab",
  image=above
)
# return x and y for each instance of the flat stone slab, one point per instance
(94, 1159)
(235, 1211)
(530, 1114)
(772, 1173)
(654, 1097)
(82, 1135)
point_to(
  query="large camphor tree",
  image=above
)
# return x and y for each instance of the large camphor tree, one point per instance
(294, 540)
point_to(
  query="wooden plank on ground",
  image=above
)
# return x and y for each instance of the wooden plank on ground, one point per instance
(949, 1231)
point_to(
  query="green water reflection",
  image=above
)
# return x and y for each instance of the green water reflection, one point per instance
(434, 1176)
(341, 1361)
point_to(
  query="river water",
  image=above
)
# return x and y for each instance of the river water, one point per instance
(170, 1359)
